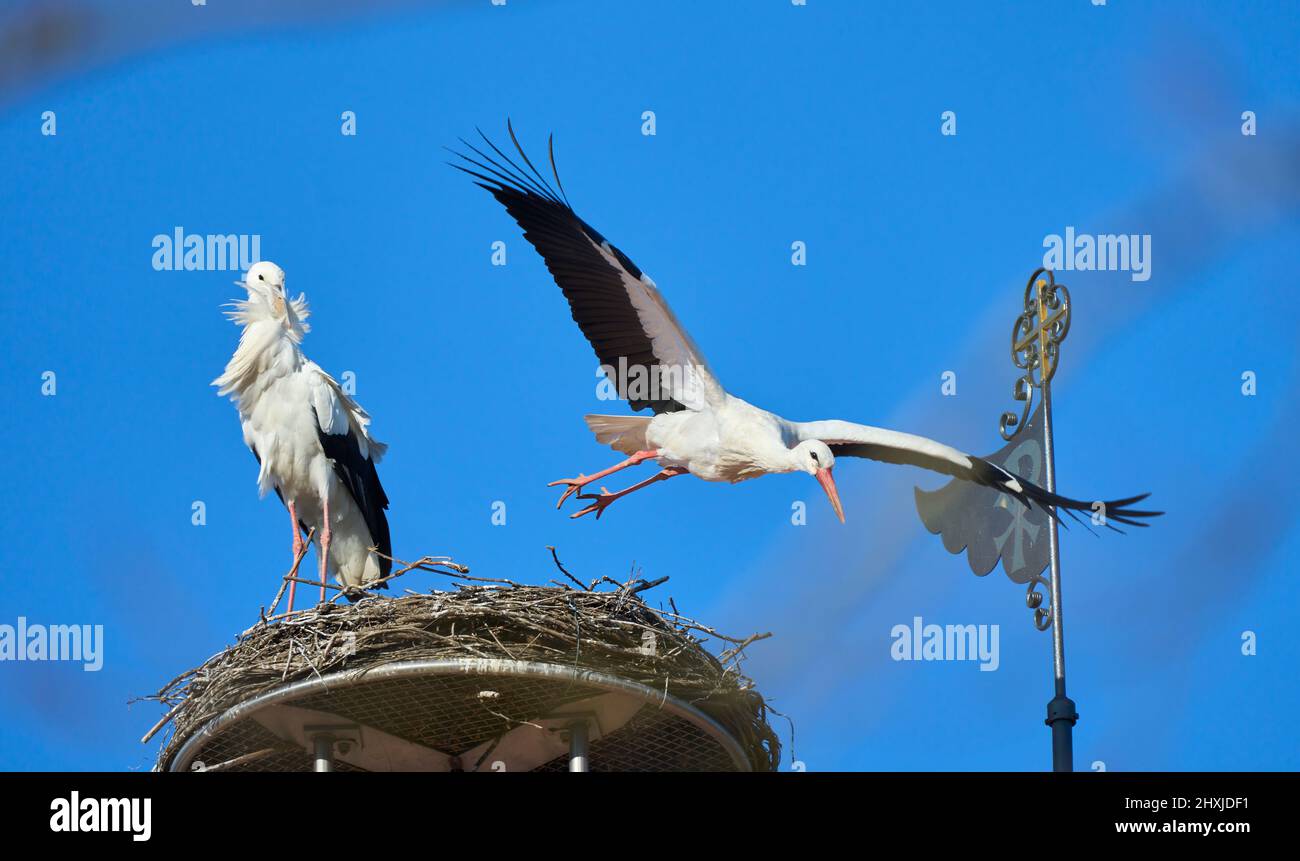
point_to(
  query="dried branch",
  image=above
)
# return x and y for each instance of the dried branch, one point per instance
(565, 571)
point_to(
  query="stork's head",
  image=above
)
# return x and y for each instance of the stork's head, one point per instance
(265, 277)
(268, 299)
(815, 458)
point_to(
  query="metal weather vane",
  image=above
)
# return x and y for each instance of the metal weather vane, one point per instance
(988, 525)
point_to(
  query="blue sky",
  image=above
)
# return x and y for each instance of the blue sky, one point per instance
(775, 123)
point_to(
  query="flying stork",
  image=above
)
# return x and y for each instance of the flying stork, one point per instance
(311, 439)
(697, 427)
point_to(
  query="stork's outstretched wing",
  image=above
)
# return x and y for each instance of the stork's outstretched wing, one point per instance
(645, 352)
(847, 439)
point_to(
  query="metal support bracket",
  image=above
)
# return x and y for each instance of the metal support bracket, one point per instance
(326, 738)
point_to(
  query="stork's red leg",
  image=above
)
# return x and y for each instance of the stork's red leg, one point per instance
(576, 484)
(324, 547)
(297, 548)
(605, 498)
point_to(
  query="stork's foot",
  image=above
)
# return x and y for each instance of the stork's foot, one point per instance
(577, 484)
(573, 486)
(600, 502)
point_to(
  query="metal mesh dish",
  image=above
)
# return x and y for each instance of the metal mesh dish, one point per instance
(461, 714)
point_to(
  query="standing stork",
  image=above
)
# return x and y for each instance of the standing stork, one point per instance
(311, 439)
(698, 427)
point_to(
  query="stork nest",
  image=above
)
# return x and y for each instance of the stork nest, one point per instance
(604, 626)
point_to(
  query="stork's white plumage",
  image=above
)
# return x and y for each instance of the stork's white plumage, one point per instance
(698, 427)
(310, 438)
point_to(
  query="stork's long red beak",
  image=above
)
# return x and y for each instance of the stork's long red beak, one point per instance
(828, 484)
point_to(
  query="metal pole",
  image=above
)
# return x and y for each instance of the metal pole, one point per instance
(324, 752)
(578, 746)
(1061, 714)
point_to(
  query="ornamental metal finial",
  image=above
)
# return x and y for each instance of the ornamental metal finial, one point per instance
(1036, 350)
(1036, 343)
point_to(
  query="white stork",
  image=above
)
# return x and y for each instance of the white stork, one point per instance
(698, 427)
(310, 438)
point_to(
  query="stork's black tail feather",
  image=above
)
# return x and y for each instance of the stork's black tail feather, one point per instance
(1115, 510)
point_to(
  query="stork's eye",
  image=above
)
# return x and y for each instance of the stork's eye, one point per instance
(814, 457)
(261, 277)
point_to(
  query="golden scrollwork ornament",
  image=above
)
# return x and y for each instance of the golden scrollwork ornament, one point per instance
(1036, 343)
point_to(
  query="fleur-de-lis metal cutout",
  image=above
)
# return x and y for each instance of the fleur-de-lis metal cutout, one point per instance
(1021, 532)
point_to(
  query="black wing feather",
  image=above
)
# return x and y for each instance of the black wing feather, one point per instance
(988, 474)
(597, 298)
(359, 476)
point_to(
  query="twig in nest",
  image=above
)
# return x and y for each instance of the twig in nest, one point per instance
(423, 562)
(692, 625)
(429, 563)
(162, 721)
(736, 650)
(564, 570)
(289, 579)
(422, 565)
(648, 584)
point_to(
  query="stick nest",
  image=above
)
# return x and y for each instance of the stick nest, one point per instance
(604, 626)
